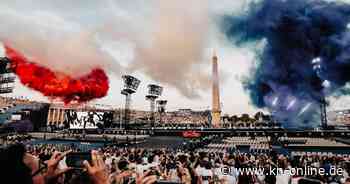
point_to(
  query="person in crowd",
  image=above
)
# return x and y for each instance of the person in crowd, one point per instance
(18, 166)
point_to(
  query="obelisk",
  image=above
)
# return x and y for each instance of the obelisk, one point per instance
(216, 110)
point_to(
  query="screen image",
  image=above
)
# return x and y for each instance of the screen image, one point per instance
(16, 117)
(84, 120)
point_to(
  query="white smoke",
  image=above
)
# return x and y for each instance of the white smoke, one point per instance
(164, 39)
(53, 42)
(175, 53)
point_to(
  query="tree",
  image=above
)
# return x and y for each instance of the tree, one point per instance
(234, 118)
(258, 115)
(245, 118)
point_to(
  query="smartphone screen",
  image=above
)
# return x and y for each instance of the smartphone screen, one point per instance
(76, 159)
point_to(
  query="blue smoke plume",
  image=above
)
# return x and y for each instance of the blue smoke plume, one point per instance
(305, 57)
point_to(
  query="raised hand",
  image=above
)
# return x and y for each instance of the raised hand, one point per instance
(97, 171)
(145, 178)
(53, 172)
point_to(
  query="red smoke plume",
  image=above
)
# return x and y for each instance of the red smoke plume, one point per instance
(57, 85)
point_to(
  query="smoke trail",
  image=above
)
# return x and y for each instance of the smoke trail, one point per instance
(57, 85)
(305, 55)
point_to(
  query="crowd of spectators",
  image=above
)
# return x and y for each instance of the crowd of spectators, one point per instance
(126, 165)
(13, 101)
(193, 119)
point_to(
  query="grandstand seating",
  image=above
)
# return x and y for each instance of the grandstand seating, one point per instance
(8, 106)
(308, 153)
(312, 142)
(218, 148)
(258, 145)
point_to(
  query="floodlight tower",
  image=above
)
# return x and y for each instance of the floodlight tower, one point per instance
(161, 109)
(7, 77)
(317, 66)
(154, 91)
(130, 86)
(323, 109)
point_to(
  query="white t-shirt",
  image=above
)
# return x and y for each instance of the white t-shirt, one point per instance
(156, 159)
(283, 178)
(108, 161)
(145, 160)
(228, 178)
(205, 174)
(140, 168)
(173, 176)
(261, 178)
(296, 180)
